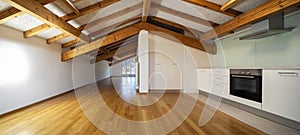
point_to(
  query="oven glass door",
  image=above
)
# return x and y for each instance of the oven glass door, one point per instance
(246, 86)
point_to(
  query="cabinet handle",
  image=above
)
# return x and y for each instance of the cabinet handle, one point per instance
(288, 73)
(241, 76)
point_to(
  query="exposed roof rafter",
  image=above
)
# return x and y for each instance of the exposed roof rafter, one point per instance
(89, 9)
(9, 14)
(228, 4)
(146, 9)
(111, 38)
(37, 10)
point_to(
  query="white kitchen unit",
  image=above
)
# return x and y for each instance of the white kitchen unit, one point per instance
(204, 76)
(281, 93)
(214, 80)
(220, 81)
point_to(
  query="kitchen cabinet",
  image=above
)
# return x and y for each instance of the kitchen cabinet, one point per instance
(220, 82)
(214, 81)
(204, 83)
(281, 91)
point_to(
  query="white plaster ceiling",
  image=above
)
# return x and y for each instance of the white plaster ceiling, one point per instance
(117, 28)
(23, 22)
(65, 40)
(114, 21)
(60, 9)
(107, 11)
(55, 9)
(242, 5)
(4, 6)
(84, 3)
(63, 6)
(179, 20)
(49, 33)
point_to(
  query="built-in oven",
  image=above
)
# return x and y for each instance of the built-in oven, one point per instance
(246, 83)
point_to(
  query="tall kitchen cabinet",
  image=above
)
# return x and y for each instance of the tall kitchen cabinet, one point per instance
(281, 93)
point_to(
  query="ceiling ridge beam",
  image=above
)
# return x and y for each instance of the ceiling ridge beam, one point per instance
(146, 9)
(187, 41)
(111, 38)
(37, 10)
(253, 15)
(214, 7)
(184, 15)
(9, 14)
(89, 9)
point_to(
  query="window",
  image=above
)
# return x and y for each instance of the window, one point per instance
(128, 67)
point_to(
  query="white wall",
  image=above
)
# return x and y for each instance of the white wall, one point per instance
(31, 70)
(116, 70)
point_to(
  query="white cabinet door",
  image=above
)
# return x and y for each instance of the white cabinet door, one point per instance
(281, 93)
(204, 76)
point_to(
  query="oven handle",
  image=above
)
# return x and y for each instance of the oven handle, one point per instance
(242, 76)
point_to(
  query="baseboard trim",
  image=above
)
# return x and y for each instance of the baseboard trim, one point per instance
(46, 99)
(30, 105)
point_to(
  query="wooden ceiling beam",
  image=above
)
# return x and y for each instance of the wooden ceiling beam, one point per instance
(253, 15)
(124, 58)
(69, 4)
(13, 12)
(37, 10)
(111, 38)
(121, 50)
(146, 9)
(214, 7)
(89, 9)
(45, 2)
(56, 38)
(184, 15)
(70, 43)
(9, 14)
(229, 4)
(36, 30)
(188, 41)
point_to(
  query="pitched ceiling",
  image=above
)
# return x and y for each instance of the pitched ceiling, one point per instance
(96, 18)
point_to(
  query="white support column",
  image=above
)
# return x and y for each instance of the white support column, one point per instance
(143, 59)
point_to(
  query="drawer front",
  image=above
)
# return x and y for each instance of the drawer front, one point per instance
(219, 88)
(220, 72)
(220, 79)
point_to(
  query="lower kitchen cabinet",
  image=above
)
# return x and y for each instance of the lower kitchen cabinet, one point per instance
(204, 77)
(281, 93)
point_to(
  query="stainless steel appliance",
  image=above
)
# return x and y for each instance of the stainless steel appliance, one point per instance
(246, 83)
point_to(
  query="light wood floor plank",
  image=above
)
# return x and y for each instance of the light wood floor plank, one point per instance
(63, 115)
